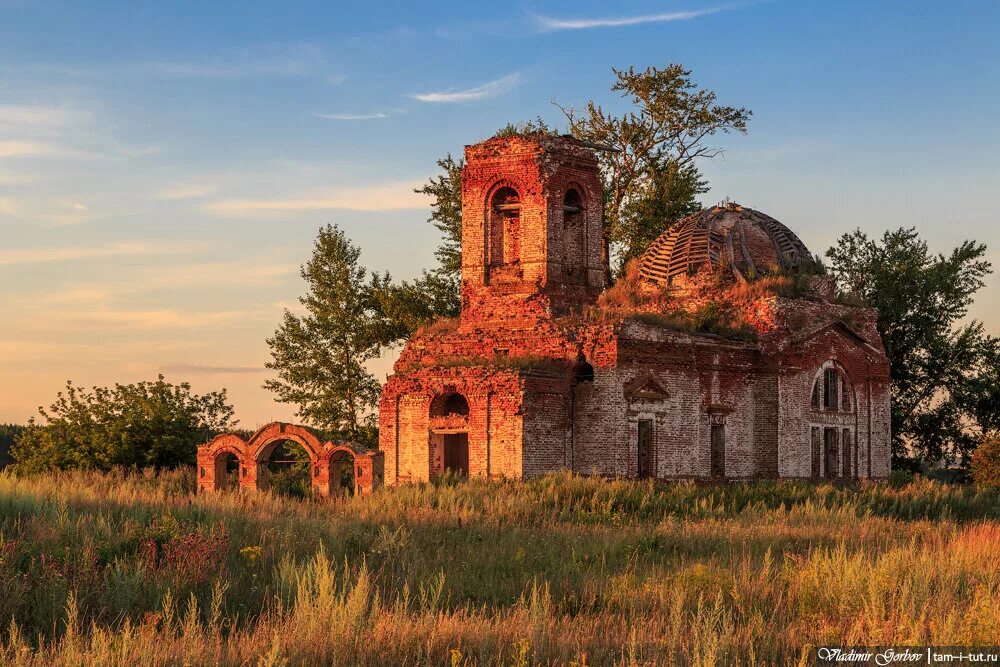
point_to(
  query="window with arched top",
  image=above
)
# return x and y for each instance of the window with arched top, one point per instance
(574, 238)
(451, 404)
(503, 242)
(832, 391)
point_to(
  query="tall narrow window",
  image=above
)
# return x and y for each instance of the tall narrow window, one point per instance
(718, 450)
(845, 395)
(504, 238)
(574, 266)
(830, 382)
(830, 444)
(645, 448)
(817, 397)
(848, 454)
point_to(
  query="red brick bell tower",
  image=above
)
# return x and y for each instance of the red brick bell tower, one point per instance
(531, 229)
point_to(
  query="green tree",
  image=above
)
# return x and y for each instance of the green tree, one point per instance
(670, 194)
(146, 424)
(665, 135)
(319, 357)
(9, 433)
(445, 191)
(944, 372)
(986, 461)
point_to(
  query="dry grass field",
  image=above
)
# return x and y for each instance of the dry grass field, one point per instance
(134, 569)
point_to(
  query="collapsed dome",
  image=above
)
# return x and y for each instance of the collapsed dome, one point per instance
(743, 240)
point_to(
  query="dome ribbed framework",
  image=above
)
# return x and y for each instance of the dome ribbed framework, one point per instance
(742, 239)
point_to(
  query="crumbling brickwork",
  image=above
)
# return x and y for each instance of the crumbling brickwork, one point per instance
(249, 461)
(532, 379)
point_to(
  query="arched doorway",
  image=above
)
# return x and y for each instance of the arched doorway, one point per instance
(449, 438)
(342, 474)
(286, 468)
(227, 471)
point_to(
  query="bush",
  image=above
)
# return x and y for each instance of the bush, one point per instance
(986, 461)
(145, 424)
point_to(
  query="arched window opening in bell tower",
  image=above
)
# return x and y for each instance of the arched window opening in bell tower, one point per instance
(504, 238)
(574, 238)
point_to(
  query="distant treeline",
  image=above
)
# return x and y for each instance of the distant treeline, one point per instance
(8, 434)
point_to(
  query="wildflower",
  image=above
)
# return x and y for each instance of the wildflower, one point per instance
(251, 553)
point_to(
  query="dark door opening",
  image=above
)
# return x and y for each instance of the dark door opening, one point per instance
(718, 450)
(645, 448)
(830, 444)
(456, 454)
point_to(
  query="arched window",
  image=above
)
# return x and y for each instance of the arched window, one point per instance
(504, 229)
(832, 390)
(574, 238)
(583, 371)
(450, 404)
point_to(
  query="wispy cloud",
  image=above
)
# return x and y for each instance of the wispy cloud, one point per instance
(14, 256)
(185, 192)
(384, 197)
(550, 23)
(21, 148)
(206, 369)
(374, 115)
(488, 89)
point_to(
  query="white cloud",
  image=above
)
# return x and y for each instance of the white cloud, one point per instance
(489, 89)
(353, 116)
(549, 23)
(22, 148)
(385, 197)
(15, 256)
(185, 192)
(7, 206)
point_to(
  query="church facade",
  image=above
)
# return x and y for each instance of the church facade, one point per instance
(540, 374)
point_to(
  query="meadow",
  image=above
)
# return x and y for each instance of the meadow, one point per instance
(129, 569)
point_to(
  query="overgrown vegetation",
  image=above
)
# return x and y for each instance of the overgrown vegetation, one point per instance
(9, 434)
(125, 569)
(945, 367)
(156, 424)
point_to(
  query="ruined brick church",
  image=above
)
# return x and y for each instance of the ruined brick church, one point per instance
(535, 378)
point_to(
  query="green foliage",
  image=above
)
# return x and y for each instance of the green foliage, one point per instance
(131, 569)
(945, 370)
(528, 128)
(669, 194)
(319, 356)
(408, 306)
(445, 190)
(652, 151)
(986, 461)
(155, 424)
(9, 433)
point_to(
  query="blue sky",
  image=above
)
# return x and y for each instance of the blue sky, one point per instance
(164, 167)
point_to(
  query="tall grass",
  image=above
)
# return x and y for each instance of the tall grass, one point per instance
(133, 569)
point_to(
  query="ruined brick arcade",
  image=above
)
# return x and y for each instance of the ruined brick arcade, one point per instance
(228, 461)
(529, 381)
